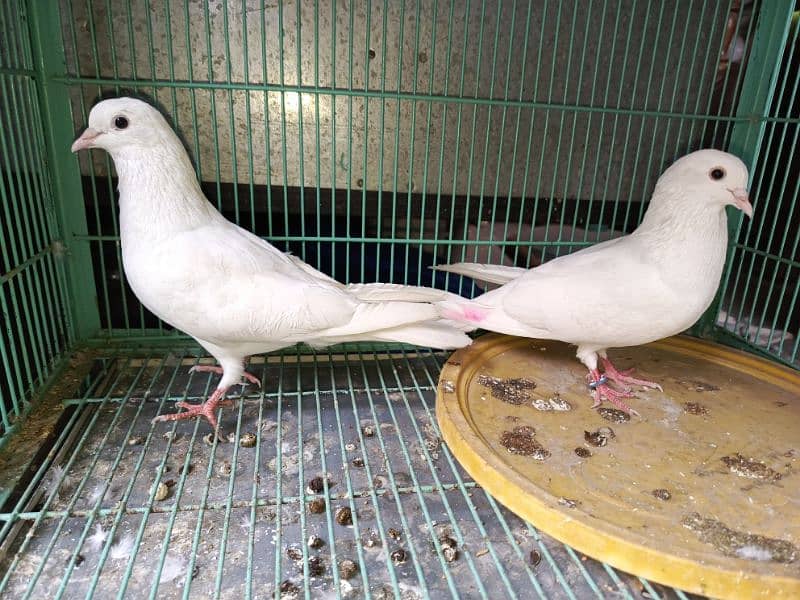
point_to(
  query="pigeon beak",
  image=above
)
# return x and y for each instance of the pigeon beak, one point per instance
(86, 140)
(741, 200)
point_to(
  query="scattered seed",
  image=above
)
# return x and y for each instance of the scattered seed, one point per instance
(535, 557)
(248, 440)
(695, 408)
(315, 542)
(614, 415)
(661, 494)
(316, 566)
(344, 516)
(583, 452)
(347, 569)
(398, 556)
(317, 506)
(162, 491)
(136, 440)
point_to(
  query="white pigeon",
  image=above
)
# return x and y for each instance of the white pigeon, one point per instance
(632, 290)
(230, 290)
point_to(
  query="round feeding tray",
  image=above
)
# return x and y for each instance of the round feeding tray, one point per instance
(702, 492)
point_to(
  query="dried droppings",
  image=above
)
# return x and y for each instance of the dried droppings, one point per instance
(162, 492)
(513, 391)
(136, 440)
(599, 437)
(568, 502)
(231, 437)
(344, 516)
(208, 439)
(449, 548)
(555, 403)
(521, 441)
(535, 558)
(289, 591)
(368, 429)
(316, 485)
(371, 539)
(379, 481)
(662, 494)
(224, 468)
(347, 569)
(399, 556)
(294, 553)
(358, 462)
(614, 415)
(316, 566)
(349, 447)
(78, 560)
(248, 440)
(738, 544)
(317, 506)
(583, 452)
(695, 408)
(315, 542)
(696, 385)
(395, 534)
(455, 363)
(448, 386)
(750, 468)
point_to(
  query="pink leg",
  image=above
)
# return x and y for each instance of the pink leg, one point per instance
(207, 409)
(218, 370)
(603, 391)
(623, 378)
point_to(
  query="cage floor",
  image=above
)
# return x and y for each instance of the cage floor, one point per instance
(124, 508)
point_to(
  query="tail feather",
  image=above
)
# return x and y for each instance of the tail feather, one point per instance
(387, 292)
(428, 334)
(482, 272)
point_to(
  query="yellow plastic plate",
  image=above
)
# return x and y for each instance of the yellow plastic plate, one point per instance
(702, 492)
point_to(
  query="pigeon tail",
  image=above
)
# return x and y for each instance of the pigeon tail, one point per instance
(483, 272)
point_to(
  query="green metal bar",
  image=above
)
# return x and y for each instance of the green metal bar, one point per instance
(49, 63)
(755, 101)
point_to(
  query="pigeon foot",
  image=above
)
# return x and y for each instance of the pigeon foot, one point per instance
(603, 391)
(207, 409)
(218, 370)
(624, 379)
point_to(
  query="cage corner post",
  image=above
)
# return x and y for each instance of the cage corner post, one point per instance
(44, 28)
(755, 102)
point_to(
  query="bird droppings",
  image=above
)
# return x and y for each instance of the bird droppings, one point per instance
(315, 542)
(739, 544)
(162, 492)
(317, 506)
(350, 447)
(513, 391)
(395, 534)
(371, 539)
(289, 590)
(294, 553)
(344, 516)
(662, 494)
(448, 386)
(599, 437)
(358, 462)
(399, 556)
(750, 468)
(553, 404)
(248, 440)
(317, 485)
(368, 429)
(208, 439)
(614, 415)
(136, 440)
(696, 385)
(347, 569)
(224, 469)
(583, 452)
(535, 558)
(521, 441)
(449, 548)
(695, 408)
(568, 502)
(316, 566)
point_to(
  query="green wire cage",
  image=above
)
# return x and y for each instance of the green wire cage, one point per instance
(372, 139)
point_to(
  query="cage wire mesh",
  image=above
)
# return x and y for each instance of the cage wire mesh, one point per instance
(373, 140)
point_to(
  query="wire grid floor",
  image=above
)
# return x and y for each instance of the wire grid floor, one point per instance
(236, 520)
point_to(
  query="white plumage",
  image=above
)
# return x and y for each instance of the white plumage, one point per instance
(627, 291)
(230, 290)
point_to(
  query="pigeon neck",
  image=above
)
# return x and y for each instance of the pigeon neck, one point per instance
(160, 196)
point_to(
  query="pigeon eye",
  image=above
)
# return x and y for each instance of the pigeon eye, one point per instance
(717, 173)
(120, 122)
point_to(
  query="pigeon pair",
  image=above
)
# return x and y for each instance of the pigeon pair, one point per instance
(238, 296)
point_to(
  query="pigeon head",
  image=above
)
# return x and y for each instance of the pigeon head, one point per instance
(710, 176)
(119, 125)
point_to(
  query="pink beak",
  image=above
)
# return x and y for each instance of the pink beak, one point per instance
(741, 200)
(86, 140)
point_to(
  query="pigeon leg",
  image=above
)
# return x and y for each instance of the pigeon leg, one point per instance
(207, 409)
(603, 391)
(623, 378)
(218, 370)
